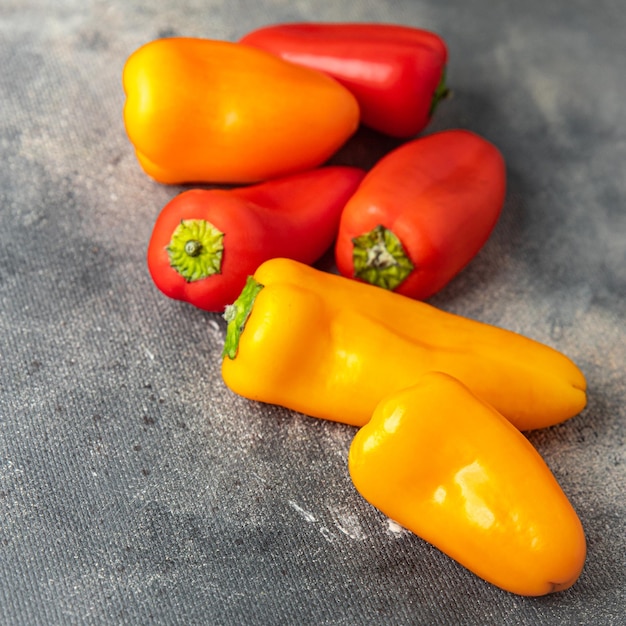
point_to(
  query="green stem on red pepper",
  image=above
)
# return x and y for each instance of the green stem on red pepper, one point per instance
(441, 93)
(195, 249)
(380, 258)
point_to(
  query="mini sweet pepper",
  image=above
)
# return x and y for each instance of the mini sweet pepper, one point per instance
(446, 465)
(332, 347)
(422, 213)
(200, 110)
(205, 242)
(396, 72)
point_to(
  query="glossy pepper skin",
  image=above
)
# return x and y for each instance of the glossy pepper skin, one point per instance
(397, 73)
(422, 213)
(447, 466)
(199, 110)
(206, 242)
(331, 347)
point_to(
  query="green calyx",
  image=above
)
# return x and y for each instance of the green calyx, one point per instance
(236, 314)
(195, 249)
(379, 258)
(441, 92)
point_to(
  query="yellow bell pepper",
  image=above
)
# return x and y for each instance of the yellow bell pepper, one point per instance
(447, 466)
(332, 347)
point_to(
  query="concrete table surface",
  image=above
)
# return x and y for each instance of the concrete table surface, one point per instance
(135, 488)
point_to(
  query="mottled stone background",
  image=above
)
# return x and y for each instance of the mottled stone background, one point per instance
(134, 487)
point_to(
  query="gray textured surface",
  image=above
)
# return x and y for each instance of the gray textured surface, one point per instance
(134, 487)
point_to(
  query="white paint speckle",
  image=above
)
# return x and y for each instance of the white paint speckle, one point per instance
(306, 516)
(395, 528)
(328, 534)
(348, 523)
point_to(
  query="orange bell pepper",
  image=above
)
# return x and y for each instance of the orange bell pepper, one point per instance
(199, 110)
(332, 347)
(447, 466)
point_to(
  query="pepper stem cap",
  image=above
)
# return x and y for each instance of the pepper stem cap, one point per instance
(196, 249)
(380, 259)
(237, 314)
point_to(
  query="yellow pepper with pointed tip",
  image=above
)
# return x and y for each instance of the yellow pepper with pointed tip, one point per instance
(332, 347)
(447, 466)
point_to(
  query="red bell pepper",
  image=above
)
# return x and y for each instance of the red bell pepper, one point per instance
(205, 242)
(422, 213)
(396, 73)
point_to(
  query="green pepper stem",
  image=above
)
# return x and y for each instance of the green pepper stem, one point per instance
(237, 314)
(441, 92)
(195, 249)
(380, 259)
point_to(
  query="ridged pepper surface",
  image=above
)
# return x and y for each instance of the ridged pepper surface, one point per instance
(332, 347)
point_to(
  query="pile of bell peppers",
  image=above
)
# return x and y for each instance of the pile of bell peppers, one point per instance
(440, 402)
